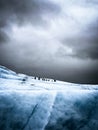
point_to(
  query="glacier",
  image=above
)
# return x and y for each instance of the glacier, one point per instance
(27, 103)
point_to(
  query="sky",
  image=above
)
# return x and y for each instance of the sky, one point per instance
(50, 38)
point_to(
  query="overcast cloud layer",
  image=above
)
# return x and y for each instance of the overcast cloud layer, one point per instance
(54, 38)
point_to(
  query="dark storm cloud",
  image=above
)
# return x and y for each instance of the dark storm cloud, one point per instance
(84, 46)
(24, 11)
(50, 38)
(3, 37)
(89, 43)
(30, 10)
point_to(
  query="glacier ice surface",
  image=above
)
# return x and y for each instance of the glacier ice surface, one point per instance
(29, 104)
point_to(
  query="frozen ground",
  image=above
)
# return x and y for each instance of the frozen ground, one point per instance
(29, 104)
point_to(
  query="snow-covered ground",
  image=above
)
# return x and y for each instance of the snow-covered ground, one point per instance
(31, 104)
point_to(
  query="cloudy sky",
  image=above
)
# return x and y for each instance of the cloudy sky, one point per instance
(50, 38)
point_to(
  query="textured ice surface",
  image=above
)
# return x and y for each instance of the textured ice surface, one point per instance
(46, 105)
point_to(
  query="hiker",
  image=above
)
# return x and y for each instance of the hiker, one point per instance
(54, 80)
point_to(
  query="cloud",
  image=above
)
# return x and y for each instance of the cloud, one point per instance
(30, 10)
(3, 37)
(56, 39)
(82, 46)
(24, 12)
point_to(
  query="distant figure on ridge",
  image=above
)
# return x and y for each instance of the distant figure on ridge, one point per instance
(54, 80)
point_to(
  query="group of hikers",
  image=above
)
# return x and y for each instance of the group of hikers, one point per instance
(38, 78)
(44, 79)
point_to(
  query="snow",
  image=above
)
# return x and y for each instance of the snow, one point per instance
(31, 104)
(11, 81)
